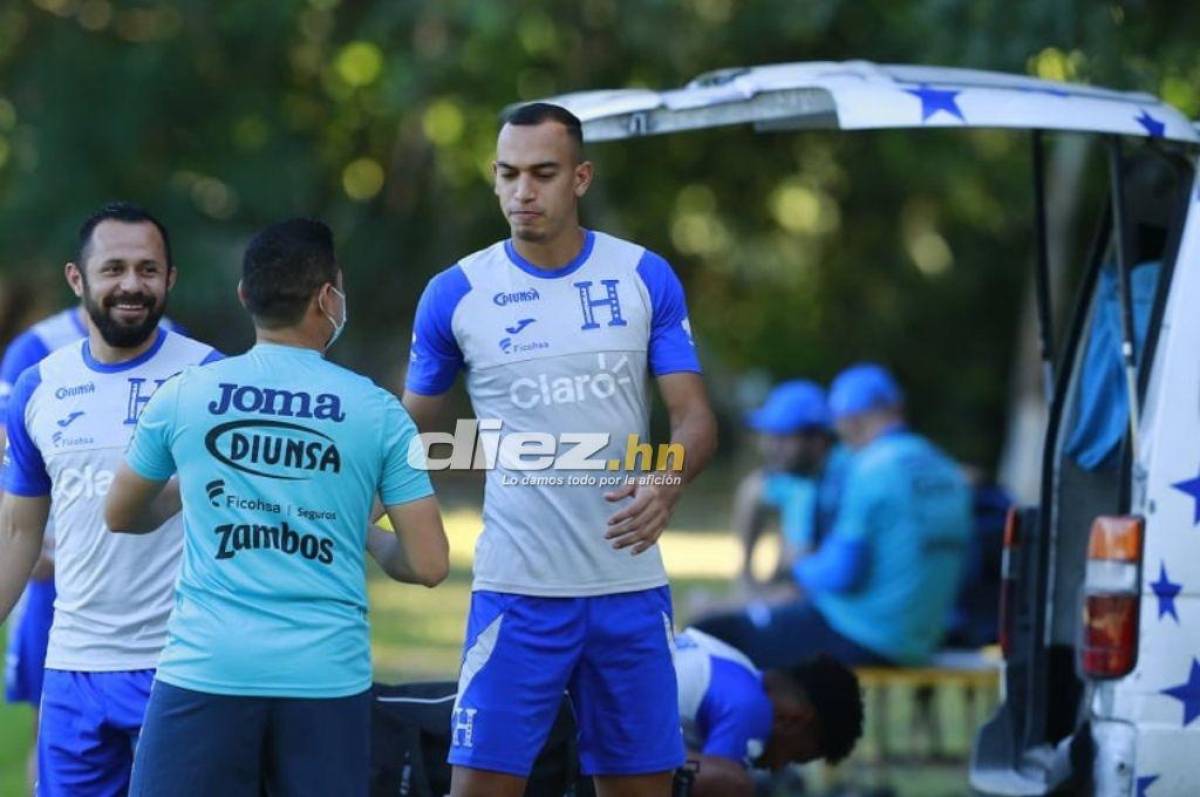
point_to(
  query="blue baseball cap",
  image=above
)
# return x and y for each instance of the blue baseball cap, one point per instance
(863, 387)
(792, 407)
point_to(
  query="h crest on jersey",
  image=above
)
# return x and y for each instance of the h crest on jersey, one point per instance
(139, 397)
(610, 300)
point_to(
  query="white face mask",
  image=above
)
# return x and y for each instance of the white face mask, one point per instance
(337, 328)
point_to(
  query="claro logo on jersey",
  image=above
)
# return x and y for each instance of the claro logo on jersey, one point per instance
(71, 484)
(238, 537)
(600, 385)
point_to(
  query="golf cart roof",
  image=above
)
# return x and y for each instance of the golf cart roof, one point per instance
(857, 95)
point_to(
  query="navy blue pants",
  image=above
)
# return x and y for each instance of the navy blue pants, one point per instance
(785, 635)
(196, 744)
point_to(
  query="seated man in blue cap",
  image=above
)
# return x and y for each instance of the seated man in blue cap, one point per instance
(879, 588)
(799, 483)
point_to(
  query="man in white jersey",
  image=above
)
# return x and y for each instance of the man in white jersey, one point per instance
(69, 420)
(557, 330)
(30, 621)
(736, 718)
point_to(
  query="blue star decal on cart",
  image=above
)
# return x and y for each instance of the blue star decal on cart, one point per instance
(1188, 694)
(1143, 783)
(1154, 127)
(1165, 591)
(1192, 488)
(934, 100)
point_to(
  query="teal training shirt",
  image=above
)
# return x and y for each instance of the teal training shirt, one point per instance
(279, 454)
(907, 503)
(807, 506)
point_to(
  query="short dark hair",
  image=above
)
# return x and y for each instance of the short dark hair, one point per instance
(125, 212)
(534, 113)
(284, 265)
(836, 696)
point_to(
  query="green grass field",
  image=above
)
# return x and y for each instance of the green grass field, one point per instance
(15, 722)
(416, 634)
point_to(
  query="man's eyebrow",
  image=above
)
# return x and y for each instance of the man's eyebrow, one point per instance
(117, 260)
(542, 165)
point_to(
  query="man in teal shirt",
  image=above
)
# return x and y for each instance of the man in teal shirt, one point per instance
(800, 481)
(280, 454)
(879, 588)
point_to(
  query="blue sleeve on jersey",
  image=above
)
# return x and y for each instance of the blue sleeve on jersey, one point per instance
(149, 453)
(212, 357)
(837, 566)
(671, 347)
(841, 561)
(24, 469)
(26, 350)
(435, 358)
(404, 477)
(735, 713)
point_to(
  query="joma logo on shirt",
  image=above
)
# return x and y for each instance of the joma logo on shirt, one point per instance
(269, 401)
(253, 537)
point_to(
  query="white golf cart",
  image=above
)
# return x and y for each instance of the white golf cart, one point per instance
(1100, 617)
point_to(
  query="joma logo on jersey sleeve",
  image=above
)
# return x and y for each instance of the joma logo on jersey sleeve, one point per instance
(270, 401)
(274, 449)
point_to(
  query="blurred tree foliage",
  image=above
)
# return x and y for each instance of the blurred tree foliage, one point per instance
(800, 252)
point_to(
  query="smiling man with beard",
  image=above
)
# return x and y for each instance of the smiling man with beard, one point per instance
(29, 624)
(69, 419)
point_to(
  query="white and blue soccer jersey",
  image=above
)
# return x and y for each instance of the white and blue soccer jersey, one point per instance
(69, 420)
(561, 351)
(723, 706)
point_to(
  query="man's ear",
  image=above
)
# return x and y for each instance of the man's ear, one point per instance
(319, 300)
(584, 173)
(172, 275)
(74, 279)
(241, 294)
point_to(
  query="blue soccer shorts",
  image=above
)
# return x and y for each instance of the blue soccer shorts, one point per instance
(87, 731)
(25, 658)
(611, 653)
(198, 744)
